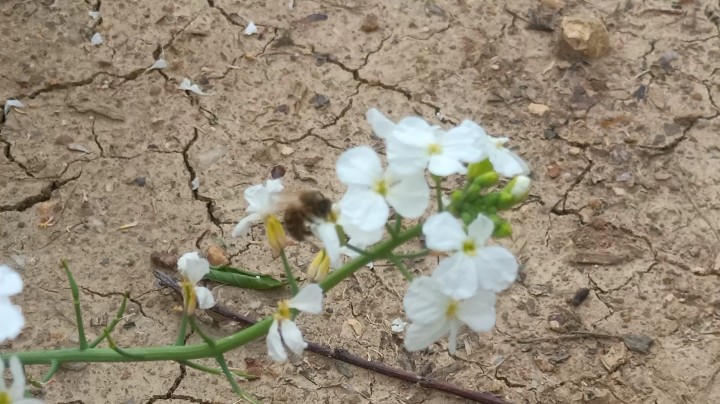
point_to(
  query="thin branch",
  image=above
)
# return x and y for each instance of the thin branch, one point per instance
(345, 356)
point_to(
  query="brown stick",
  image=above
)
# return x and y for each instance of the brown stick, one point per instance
(345, 356)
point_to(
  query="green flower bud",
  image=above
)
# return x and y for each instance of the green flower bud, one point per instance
(486, 180)
(504, 201)
(479, 168)
(502, 229)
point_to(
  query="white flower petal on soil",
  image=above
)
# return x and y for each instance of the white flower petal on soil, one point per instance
(96, 39)
(159, 64)
(95, 15)
(250, 29)
(195, 184)
(187, 85)
(9, 104)
(398, 325)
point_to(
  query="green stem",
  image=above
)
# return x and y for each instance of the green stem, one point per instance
(231, 378)
(76, 306)
(438, 192)
(110, 327)
(217, 371)
(391, 231)
(288, 273)
(54, 366)
(398, 223)
(400, 266)
(357, 250)
(201, 333)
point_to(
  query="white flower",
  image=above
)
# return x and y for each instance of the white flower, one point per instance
(283, 330)
(413, 145)
(11, 315)
(433, 314)
(370, 190)
(96, 39)
(504, 161)
(520, 187)
(262, 201)
(15, 394)
(473, 265)
(187, 85)
(326, 231)
(193, 268)
(250, 29)
(9, 104)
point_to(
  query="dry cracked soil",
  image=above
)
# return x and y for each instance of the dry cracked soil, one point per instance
(97, 168)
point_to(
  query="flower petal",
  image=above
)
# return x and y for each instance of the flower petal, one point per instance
(193, 266)
(10, 282)
(408, 195)
(262, 198)
(292, 336)
(461, 143)
(407, 157)
(359, 166)
(497, 268)
(381, 126)
(365, 209)
(444, 165)
(443, 232)
(243, 226)
(481, 229)
(17, 390)
(457, 276)
(424, 303)
(308, 299)
(205, 298)
(507, 163)
(276, 349)
(12, 321)
(421, 336)
(359, 237)
(478, 311)
(327, 233)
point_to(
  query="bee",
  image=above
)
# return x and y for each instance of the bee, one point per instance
(302, 208)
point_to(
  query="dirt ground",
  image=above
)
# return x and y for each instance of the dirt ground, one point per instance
(625, 200)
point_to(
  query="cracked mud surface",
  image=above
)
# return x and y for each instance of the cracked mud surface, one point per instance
(625, 198)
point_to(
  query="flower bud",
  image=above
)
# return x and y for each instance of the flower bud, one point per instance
(275, 233)
(502, 229)
(479, 168)
(319, 267)
(486, 180)
(519, 187)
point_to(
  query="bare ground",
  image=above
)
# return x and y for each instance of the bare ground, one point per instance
(625, 197)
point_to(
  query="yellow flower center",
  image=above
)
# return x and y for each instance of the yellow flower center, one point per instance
(469, 247)
(381, 187)
(452, 309)
(275, 233)
(434, 149)
(4, 398)
(283, 312)
(319, 267)
(189, 298)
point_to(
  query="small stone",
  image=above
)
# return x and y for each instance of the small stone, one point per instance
(286, 150)
(619, 191)
(105, 261)
(669, 297)
(701, 271)
(140, 181)
(716, 265)
(638, 343)
(164, 260)
(319, 101)
(662, 176)
(370, 23)
(550, 134)
(580, 296)
(538, 109)
(254, 304)
(217, 256)
(277, 172)
(282, 109)
(495, 67)
(553, 170)
(584, 36)
(616, 356)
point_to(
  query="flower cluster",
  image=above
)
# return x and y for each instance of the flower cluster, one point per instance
(462, 289)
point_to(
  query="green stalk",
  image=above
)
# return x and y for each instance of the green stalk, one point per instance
(231, 378)
(110, 327)
(76, 306)
(438, 192)
(217, 371)
(288, 273)
(400, 266)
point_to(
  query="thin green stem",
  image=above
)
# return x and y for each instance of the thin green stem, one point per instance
(217, 371)
(288, 273)
(438, 192)
(54, 367)
(76, 306)
(110, 327)
(400, 266)
(114, 347)
(357, 250)
(398, 223)
(231, 378)
(180, 340)
(413, 254)
(201, 333)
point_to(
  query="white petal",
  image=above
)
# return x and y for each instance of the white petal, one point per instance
(365, 209)
(187, 85)
(421, 336)
(308, 299)
(17, 390)
(327, 233)
(478, 312)
(481, 229)
(193, 266)
(205, 298)
(292, 336)
(96, 39)
(95, 15)
(243, 226)
(461, 143)
(12, 321)
(276, 349)
(381, 126)
(2, 373)
(359, 237)
(424, 303)
(409, 195)
(521, 187)
(262, 198)
(9, 104)
(359, 166)
(250, 29)
(443, 232)
(497, 268)
(415, 124)
(444, 165)
(457, 276)
(195, 184)
(159, 64)
(10, 282)
(398, 325)
(452, 338)
(407, 154)
(507, 163)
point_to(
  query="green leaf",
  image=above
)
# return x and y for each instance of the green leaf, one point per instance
(242, 279)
